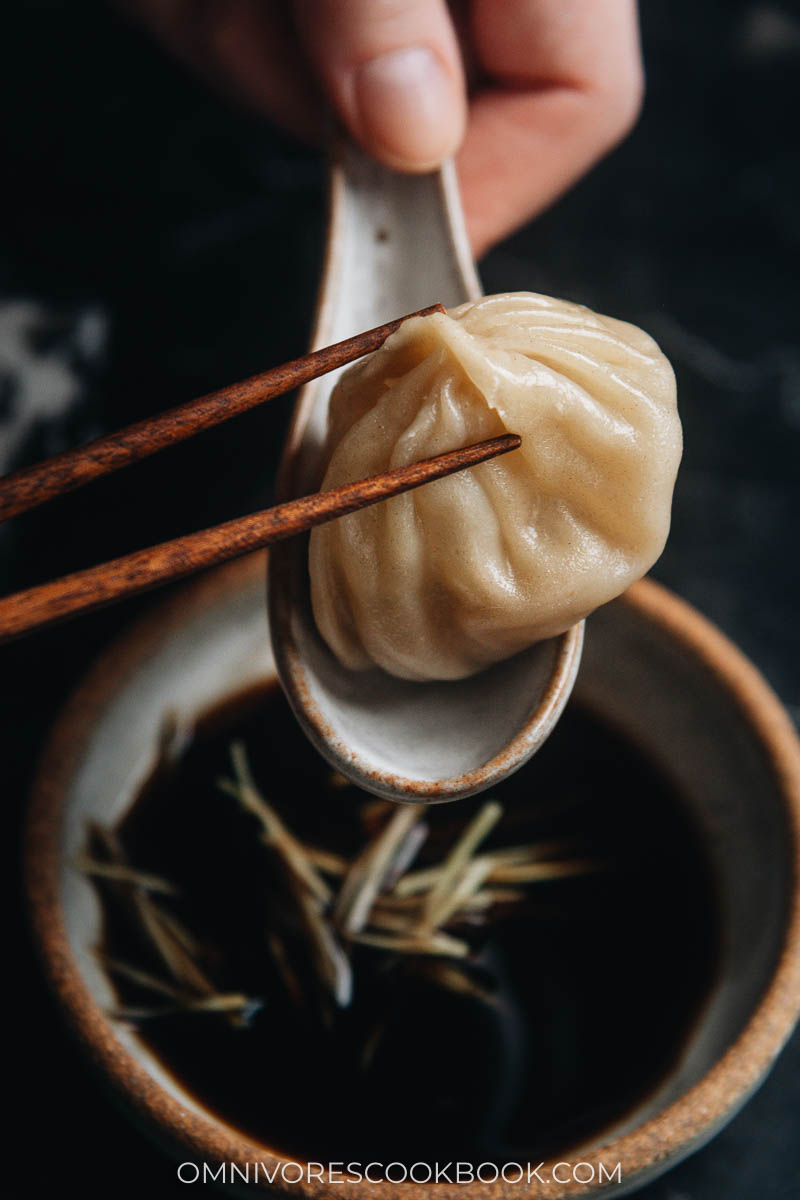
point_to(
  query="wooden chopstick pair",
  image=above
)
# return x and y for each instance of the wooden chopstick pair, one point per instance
(83, 591)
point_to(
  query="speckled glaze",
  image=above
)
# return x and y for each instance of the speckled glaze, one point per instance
(396, 244)
(660, 671)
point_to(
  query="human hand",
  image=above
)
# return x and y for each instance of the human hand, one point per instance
(527, 93)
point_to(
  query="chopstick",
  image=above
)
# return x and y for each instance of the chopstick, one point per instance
(83, 591)
(31, 486)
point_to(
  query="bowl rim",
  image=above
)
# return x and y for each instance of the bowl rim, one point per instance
(683, 1125)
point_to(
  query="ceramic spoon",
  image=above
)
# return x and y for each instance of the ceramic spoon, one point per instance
(395, 244)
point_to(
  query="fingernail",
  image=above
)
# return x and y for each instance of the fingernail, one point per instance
(410, 109)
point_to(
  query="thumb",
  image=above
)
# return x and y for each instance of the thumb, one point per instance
(392, 70)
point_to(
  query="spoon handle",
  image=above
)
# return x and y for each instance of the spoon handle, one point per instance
(395, 243)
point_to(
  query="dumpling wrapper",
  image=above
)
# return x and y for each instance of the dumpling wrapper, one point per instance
(441, 582)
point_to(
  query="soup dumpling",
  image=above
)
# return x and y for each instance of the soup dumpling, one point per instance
(442, 581)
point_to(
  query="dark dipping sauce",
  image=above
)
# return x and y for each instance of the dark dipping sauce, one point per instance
(598, 979)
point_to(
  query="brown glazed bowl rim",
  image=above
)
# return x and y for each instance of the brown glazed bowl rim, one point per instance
(681, 1126)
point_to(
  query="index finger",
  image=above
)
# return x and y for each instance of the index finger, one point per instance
(564, 86)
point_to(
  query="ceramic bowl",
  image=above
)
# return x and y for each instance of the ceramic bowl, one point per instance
(660, 672)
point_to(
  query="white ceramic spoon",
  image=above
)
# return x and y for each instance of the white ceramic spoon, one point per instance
(395, 244)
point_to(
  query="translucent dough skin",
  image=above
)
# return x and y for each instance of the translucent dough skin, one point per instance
(445, 580)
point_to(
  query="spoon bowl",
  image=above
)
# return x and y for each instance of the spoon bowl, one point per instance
(397, 243)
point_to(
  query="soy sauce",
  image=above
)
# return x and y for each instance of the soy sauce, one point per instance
(595, 982)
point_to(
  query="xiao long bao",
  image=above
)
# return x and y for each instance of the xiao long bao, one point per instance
(443, 581)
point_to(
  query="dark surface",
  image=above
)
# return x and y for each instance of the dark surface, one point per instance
(155, 243)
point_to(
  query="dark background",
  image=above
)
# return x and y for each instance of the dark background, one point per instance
(155, 242)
